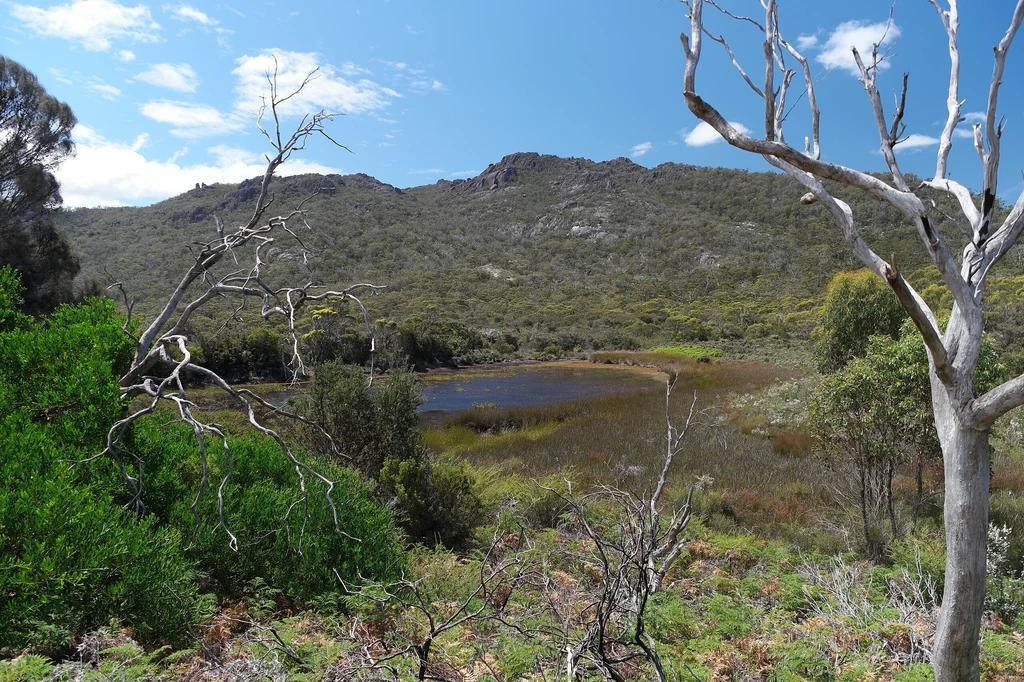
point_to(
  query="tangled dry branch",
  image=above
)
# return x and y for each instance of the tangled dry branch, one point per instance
(162, 357)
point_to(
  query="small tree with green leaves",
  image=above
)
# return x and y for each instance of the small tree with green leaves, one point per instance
(857, 306)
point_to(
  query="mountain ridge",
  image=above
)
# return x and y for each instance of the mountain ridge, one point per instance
(538, 246)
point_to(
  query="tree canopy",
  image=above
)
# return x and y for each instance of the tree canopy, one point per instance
(35, 137)
(857, 306)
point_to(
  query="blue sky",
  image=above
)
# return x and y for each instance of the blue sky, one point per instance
(165, 92)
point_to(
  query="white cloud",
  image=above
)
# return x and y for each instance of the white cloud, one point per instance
(62, 76)
(970, 118)
(190, 13)
(430, 171)
(350, 69)
(105, 173)
(837, 52)
(704, 134)
(465, 174)
(126, 55)
(328, 90)
(178, 154)
(915, 142)
(180, 77)
(93, 24)
(638, 150)
(106, 91)
(807, 42)
(191, 120)
(403, 66)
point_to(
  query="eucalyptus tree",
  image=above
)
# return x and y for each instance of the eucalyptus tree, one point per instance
(35, 137)
(963, 417)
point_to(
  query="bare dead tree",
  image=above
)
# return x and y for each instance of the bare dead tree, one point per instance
(502, 572)
(632, 554)
(963, 419)
(162, 356)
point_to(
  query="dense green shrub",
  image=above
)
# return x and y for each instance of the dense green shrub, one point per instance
(265, 511)
(11, 300)
(425, 342)
(63, 371)
(436, 499)
(243, 354)
(378, 427)
(70, 558)
(336, 334)
(368, 426)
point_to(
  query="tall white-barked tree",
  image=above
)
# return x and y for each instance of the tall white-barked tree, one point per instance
(963, 419)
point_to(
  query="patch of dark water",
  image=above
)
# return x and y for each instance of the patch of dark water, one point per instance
(516, 387)
(529, 386)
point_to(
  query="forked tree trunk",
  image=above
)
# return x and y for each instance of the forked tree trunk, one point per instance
(966, 458)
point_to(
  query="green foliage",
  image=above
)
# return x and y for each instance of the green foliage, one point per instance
(336, 335)
(858, 305)
(918, 672)
(25, 668)
(802, 661)
(1005, 587)
(36, 130)
(281, 540)
(922, 554)
(46, 259)
(690, 351)
(11, 317)
(64, 371)
(436, 498)
(428, 341)
(669, 618)
(70, 558)
(731, 616)
(368, 426)
(246, 354)
(876, 412)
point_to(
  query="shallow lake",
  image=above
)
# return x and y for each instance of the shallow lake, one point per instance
(529, 386)
(536, 385)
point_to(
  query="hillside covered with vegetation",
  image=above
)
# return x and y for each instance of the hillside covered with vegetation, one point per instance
(538, 254)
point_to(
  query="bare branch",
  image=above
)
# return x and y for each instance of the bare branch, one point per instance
(985, 409)
(923, 319)
(994, 131)
(162, 354)
(903, 200)
(129, 305)
(814, 150)
(951, 22)
(888, 138)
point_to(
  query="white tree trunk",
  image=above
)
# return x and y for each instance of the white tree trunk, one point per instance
(965, 454)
